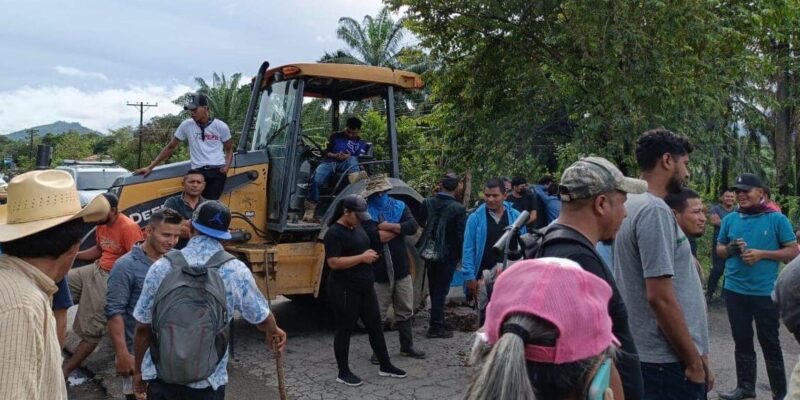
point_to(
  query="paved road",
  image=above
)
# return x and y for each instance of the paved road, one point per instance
(311, 372)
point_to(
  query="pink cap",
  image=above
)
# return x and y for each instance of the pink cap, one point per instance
(559, 291)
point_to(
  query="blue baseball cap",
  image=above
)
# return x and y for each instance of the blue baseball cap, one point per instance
(212, 218)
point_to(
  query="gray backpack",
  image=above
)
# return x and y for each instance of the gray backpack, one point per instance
(190, 319)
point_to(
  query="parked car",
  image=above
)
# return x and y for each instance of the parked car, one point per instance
(93, 177)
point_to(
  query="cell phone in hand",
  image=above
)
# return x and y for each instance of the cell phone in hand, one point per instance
(600, 382)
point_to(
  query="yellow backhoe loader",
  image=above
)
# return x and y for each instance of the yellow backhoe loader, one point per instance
(270, 176)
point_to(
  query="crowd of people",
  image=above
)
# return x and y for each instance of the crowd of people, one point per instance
(609, 303)
(165, 295)
(637, 236)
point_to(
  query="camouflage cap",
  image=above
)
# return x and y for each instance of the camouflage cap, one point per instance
(377, 184)
(787, 295)
(591, 176)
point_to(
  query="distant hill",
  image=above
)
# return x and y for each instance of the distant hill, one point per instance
(56, 128)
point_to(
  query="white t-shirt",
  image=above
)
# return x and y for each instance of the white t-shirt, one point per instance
(208, 152)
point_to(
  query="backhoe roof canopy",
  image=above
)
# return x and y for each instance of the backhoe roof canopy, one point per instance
(345, 81)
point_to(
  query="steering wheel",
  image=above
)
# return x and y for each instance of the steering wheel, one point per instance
(316, 149)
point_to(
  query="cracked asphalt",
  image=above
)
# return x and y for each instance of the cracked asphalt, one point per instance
(311, 368)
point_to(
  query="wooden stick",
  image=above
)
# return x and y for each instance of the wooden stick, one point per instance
(279, 365)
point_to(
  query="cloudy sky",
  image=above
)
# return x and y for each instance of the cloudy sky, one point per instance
(81, 61)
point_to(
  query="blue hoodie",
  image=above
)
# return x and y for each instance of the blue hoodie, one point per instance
(475, 239)
(551, 202)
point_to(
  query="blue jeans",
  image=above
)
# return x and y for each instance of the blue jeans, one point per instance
(325, 170)
(668, 382)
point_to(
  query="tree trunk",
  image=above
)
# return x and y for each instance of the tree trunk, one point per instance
(783, 135)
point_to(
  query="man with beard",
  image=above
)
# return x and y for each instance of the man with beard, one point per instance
(689, 212)
(523, 199)
(657, 279)
(115, 236)
(125, 286)
(593, 193)
(754, 241)
(727, 200)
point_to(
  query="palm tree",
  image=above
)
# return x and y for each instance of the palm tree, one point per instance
(375, 41)
(378, 41)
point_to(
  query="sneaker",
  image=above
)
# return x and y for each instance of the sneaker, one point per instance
(391, 370)
(349, 379)
(374, 360)
(439, 333)
(413, 353)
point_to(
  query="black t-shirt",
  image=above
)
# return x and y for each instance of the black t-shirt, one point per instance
(525, 203)
(528, 202)
(583, 253)
(341, 241)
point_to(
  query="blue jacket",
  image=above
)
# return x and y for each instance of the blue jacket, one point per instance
(475, 239)
(552, 203)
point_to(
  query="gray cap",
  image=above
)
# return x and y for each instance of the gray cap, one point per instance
(591, 176)
(357, 204)
(377, 184)
(787, 295)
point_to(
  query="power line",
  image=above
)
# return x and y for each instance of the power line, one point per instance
(141, 105)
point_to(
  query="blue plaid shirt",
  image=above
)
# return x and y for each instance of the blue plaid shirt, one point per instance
(241, 293)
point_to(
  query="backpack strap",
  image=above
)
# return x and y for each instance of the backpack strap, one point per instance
(568, 235)
(177, 259)
(219, 258)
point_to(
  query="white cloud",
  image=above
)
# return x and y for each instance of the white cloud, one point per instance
(99, 110)
(78, 73)
(324, 38)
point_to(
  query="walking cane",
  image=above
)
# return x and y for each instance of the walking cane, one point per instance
(279, 364)
(278, 357)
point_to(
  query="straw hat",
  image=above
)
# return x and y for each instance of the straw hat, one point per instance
(39, 200)
(376, 184)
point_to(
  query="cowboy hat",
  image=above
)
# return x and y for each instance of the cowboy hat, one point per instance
(376, 184)
(39, 200)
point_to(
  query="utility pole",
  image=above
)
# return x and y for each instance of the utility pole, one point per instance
(141, 105)
(32, 132)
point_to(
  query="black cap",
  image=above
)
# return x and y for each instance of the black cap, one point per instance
(196, 100)
(748, 181)
(212, 218)
(357, 204)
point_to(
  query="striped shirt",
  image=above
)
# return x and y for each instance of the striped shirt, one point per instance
(30, 357)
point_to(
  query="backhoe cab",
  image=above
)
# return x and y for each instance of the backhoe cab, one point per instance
(276, 156)
(293, 152)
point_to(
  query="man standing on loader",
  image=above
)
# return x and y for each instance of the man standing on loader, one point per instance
(210, 146)
(341, 156)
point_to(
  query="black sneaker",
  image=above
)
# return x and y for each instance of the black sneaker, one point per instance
(349, 379)
(391, 370)
(439, 333)
(374, 360)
